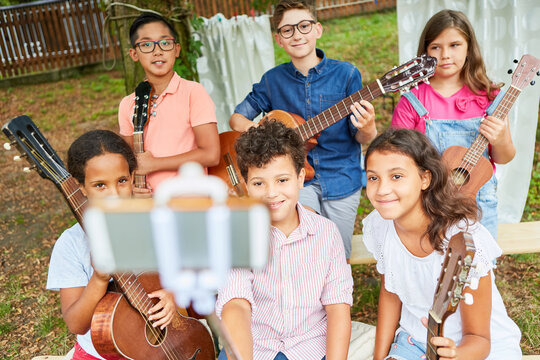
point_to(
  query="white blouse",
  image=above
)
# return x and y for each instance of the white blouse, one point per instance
(414, 280)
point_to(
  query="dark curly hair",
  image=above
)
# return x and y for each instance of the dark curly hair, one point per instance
(443, 204)
(259, 145)
(147, 18)
(95, 143)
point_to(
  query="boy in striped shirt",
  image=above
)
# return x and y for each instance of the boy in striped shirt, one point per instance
(298, 307)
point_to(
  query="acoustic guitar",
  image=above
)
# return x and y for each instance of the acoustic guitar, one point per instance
(120, 327)
(401, 78)
(140, 118)
(448, 292)
(469, 169)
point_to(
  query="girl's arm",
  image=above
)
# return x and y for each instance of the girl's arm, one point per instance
(388, 317)
(78, 303)
(207, 152)
(475, 318)
(236, 317)
(338, 335)
(497, 131)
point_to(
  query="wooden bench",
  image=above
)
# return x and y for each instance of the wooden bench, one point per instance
(520, 238)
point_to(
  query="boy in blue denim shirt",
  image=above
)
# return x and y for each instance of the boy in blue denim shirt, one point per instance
(307, 85)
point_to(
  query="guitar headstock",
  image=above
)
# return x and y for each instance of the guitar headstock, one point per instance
(25, 135)
(453, 277)
(526, 69)
(409, 74)
(142, 101)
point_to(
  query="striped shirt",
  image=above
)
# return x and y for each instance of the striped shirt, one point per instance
(305, 272)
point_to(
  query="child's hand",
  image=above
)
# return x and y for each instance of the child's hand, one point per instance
(142, 193)
(494, 129)
(164, 310)
(363, 115)
(145, 163)
(446, 347)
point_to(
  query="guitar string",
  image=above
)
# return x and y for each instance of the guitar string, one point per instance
(472, 155)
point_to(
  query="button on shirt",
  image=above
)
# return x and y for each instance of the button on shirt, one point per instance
(305, 272)
(336, 159)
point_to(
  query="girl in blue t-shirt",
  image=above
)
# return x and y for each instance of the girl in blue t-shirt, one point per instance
(103, 163)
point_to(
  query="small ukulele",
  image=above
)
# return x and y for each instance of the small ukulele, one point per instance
(452, 280)
(469, 169)
(140, 119)
(401, 78)
(120, 328)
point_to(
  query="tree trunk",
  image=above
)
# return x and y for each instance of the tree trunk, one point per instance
(133, 72)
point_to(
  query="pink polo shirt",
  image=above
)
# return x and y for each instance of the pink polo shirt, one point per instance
(183, 105)
(305, 272)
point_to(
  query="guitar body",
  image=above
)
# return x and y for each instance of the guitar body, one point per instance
(119, 331)
(469, 179)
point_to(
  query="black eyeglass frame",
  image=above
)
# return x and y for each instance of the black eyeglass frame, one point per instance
(138, 45)
(295, 27)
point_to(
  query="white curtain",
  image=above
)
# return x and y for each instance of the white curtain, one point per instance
(236, 53)
(506, 30)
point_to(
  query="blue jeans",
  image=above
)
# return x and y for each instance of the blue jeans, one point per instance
(279, 356)
(406, 348)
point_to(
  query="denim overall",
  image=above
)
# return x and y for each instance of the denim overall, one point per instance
(446, 133)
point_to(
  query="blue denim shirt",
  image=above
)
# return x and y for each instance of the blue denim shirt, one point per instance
(336, 158)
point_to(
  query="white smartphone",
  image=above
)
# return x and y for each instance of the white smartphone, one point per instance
(122, 238)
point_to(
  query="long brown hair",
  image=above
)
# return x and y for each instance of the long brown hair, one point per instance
(442, 203)
(473, 73)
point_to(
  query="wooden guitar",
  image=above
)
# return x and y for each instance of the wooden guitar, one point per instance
(469, 169)
(452, 280)
(120, 327)
(140, 118)
(398, 79)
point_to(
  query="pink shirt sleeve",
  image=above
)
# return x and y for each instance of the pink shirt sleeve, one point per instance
(125, 115)
(201, 106)
(405, 116)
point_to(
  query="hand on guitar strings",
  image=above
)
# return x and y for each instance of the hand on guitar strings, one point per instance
(141, 193)
(446, 347)
(494, 129)
(145, 163)
(363, 119)
(162, 313)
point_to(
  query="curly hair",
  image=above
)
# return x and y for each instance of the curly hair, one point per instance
(95, 143)
(474, 73)
(285, 5)
(443, 204)
(260, 145)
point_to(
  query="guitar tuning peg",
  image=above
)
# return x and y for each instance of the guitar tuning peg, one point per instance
(18, 158)
(468, 298)
(510, 71)
(426, 81)
(29, 169)
(473, 284)
(538, 73)
(515, 61)
(7, 146)
(533, 82)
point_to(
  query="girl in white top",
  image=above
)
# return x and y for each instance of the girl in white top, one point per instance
(417, 209)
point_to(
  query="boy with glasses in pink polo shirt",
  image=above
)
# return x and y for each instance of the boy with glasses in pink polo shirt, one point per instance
(182, 121)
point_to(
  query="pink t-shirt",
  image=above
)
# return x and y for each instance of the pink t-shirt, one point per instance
(464, 104)
(183, 105)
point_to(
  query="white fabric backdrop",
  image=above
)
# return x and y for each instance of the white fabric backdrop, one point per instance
(236, 53)
(506, 30)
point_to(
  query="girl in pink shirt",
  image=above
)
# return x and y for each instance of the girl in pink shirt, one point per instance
(456, 106)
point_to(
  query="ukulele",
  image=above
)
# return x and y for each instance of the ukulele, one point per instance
(452, 280)
(120, 327)
(140, 118)
(398, 79)
(469, 169)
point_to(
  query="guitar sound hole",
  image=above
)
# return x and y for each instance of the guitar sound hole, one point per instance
(154, 335)
(460, 176)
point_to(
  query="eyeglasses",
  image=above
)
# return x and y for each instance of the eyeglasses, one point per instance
(304, 26)
(148, 46)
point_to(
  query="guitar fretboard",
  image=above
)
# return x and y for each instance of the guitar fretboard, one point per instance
(434, 329)
(337, 112)
(133, 290)
(73, 194)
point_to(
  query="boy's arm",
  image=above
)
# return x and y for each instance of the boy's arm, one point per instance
(236, 317)
(363, 119)
(497, 131)
(207, 152)
(239, 122)
(388, 315)
(338, 333)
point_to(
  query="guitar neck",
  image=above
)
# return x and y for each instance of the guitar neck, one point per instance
(476, 150)
(338, 111)
(434, 329)
(138, 147)
(74, 196)
(133, 290)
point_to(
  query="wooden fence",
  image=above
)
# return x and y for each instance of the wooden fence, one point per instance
(48, 35)
(57, 34)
